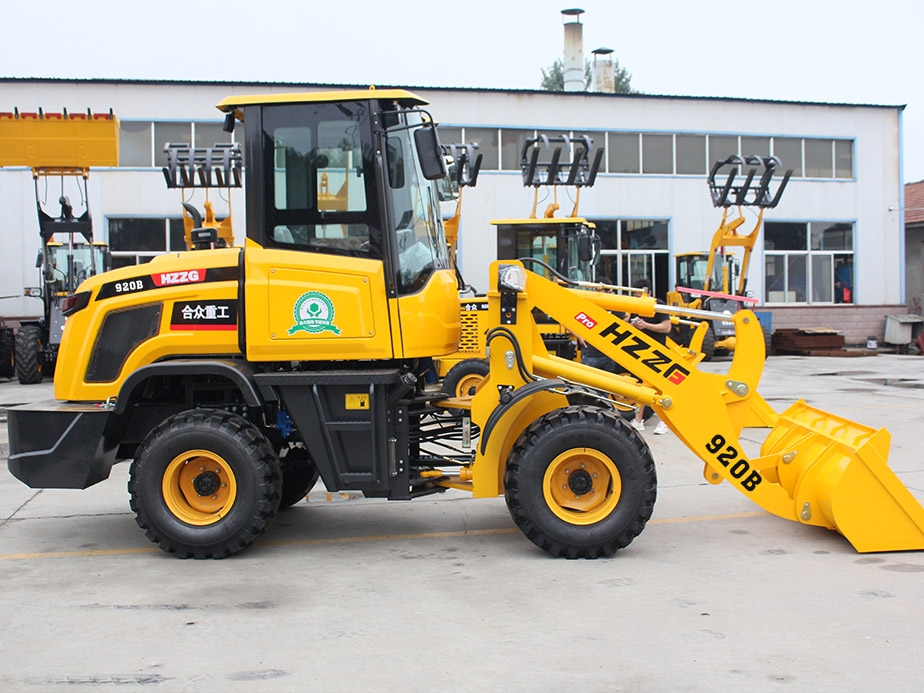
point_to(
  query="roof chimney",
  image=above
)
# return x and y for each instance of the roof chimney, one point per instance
(573, 63)
(603, 71)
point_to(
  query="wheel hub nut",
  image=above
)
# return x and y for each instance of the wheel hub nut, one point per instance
(580, 482)
(206, 483)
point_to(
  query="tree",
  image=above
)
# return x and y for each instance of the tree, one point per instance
(554, 78)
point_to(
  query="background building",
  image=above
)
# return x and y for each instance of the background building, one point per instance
(840, 219)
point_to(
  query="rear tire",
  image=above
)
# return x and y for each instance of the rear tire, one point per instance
(580, 483)
(708, 347)
(204, 484)
(464, 379)
(7, 348)
(299, 475)
(29, 355)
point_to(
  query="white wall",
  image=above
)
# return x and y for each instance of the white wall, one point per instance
(684, 201)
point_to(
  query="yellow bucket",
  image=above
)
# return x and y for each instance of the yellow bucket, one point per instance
(836, 472)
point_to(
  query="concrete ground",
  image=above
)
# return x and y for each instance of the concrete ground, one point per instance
(444, 593)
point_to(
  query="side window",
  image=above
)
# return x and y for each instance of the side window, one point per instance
(318, 176)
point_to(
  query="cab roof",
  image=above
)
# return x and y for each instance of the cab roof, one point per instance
(402, 96)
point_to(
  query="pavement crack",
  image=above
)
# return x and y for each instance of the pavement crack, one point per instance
(25, 503)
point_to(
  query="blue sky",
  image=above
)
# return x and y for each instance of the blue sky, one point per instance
(813, 50)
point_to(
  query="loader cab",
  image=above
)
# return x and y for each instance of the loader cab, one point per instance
(344, 222)
(348, 173)
(568, 245)
(693, 271)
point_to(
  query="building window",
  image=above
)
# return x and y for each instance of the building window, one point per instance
(172, 133)
(819, 159)
(691, 155)
(134, 241)
(634, 249)
(657, 154)
(686, 154)
(624, 152)
(721, 147)
(512, 143)
(755, 146)
(488, 143)
(808, 262)
(134, 143)
(789, 151)
(843, 159)
(210, 134)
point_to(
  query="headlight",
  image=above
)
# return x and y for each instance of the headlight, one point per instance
(511, 278)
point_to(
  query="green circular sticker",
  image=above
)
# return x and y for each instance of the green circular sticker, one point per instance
(314, 313)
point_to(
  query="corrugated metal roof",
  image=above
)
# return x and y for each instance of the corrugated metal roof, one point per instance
(314, 86)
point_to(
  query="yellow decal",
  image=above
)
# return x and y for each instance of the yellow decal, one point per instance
(357, 401)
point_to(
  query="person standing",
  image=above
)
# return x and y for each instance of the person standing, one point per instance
(657, 327)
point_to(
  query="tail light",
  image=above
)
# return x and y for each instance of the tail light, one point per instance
(71, 304)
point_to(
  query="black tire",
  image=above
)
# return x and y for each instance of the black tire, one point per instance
(29, 355)
(238, 484)
(768, 340)
(299, 475)
(554, 497)
(464, 379)
(708, 347)
(7, 348)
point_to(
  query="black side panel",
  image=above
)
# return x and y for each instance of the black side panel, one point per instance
(345, 420)
(121, 332)
(58, 445)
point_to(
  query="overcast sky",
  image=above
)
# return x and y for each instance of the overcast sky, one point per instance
(844, 51)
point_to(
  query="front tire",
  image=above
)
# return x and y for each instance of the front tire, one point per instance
(580, 483)
(205, 484)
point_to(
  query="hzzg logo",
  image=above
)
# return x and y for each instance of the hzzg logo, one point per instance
(314, 313)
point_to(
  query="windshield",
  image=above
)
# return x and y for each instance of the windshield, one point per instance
(87, 262)
(414, 209)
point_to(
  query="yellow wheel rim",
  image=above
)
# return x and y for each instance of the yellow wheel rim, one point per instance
(199, 487)
(582, 486)
(468, 384)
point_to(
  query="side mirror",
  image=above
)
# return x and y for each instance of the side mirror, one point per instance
(229, 122)
(429, 153)
(585, 249)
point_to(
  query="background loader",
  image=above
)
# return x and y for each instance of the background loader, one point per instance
(60, 148)
(567, 247)
(233, 378)
(716, 280)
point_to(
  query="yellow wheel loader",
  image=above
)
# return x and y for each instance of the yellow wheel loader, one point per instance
(564, 247)
(59, 147)
(716, 280)
(233, 378)
(207, 168)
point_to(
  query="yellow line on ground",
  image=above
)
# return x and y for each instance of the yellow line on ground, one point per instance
(357, 540)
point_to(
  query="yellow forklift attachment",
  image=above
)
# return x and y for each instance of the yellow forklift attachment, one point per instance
(836, 472)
